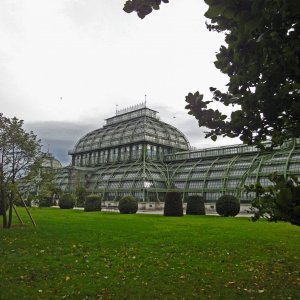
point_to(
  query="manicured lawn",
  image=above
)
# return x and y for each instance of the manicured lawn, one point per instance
(77, 255)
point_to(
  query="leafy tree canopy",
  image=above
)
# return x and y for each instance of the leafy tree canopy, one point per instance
(142, 7)
(262, 60)
(19, 151)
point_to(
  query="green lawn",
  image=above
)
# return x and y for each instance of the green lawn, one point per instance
(77, 255)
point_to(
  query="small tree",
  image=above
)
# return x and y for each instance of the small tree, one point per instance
(66, 201)
(81, 196)
(128, 205)
(228, 206)
(19, 150)
(278, 202)
(92, 203)
(173, 204)
(195, 205)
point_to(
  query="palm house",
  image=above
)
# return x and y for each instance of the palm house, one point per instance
(136, 153)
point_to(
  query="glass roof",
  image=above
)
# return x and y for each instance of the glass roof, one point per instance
(133, 126)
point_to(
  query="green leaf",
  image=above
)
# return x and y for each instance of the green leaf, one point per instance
(214, 137)
(214, 11)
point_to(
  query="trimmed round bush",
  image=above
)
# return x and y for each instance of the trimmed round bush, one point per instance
(195, 205)
(45, 202)
(173, 204)
(66, 201)
(228, 206)
(128, 205)
(92, 203)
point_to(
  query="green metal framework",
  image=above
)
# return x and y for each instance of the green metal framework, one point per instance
(136, 153)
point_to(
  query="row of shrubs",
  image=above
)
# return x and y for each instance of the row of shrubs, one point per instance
(226, 205)
(127, 205)
(91, 203)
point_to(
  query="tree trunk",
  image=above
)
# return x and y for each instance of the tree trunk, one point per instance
(2, 197)
(12, 194)
(10, 211)
(3, 206)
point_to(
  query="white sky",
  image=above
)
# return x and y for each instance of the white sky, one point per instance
(94, 56)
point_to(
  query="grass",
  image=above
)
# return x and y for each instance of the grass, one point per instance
(77, 255)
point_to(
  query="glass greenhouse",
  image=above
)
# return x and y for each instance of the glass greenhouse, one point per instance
(136, 153)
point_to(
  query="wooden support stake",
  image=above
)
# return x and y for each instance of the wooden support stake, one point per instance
(17, 214)
(28, 212)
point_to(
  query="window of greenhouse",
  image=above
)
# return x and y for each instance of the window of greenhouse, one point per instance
(250, 180)
(242, 164)
(127, 184)
(230, 150)
(272, 168)
(182, 175)
(156, 175)
(196, 184)
(210, 196)
(113, 184)
(279, 158)
(159, 184)
(202, 168)
(233, 183)
(296, 156)
(214, 184)
(198, 174)
(118, 176)
(294, 167)
(237, 172)
(179, 184)
(130, 175)
(101, 185)
(220, 166)
(217, 173)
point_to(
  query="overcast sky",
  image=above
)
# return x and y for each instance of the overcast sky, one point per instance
(66, 64)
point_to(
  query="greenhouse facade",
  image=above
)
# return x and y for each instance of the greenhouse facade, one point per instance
(136, 153)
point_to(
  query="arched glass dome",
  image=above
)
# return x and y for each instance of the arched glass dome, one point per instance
(127, 136)
(49, 161)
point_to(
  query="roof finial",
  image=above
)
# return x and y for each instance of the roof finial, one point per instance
(117, 109)
(145, 100)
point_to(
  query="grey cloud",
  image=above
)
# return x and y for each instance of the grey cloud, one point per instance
(60, 137)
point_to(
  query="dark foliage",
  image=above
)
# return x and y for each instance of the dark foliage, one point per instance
(280, 202)
(195, 205)
(261, 57)
(92, 203)
(142, 7)
(21, 203)
(66, 201)
(128, 205)
(173, 204)
(45, 202)
(228, 206)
